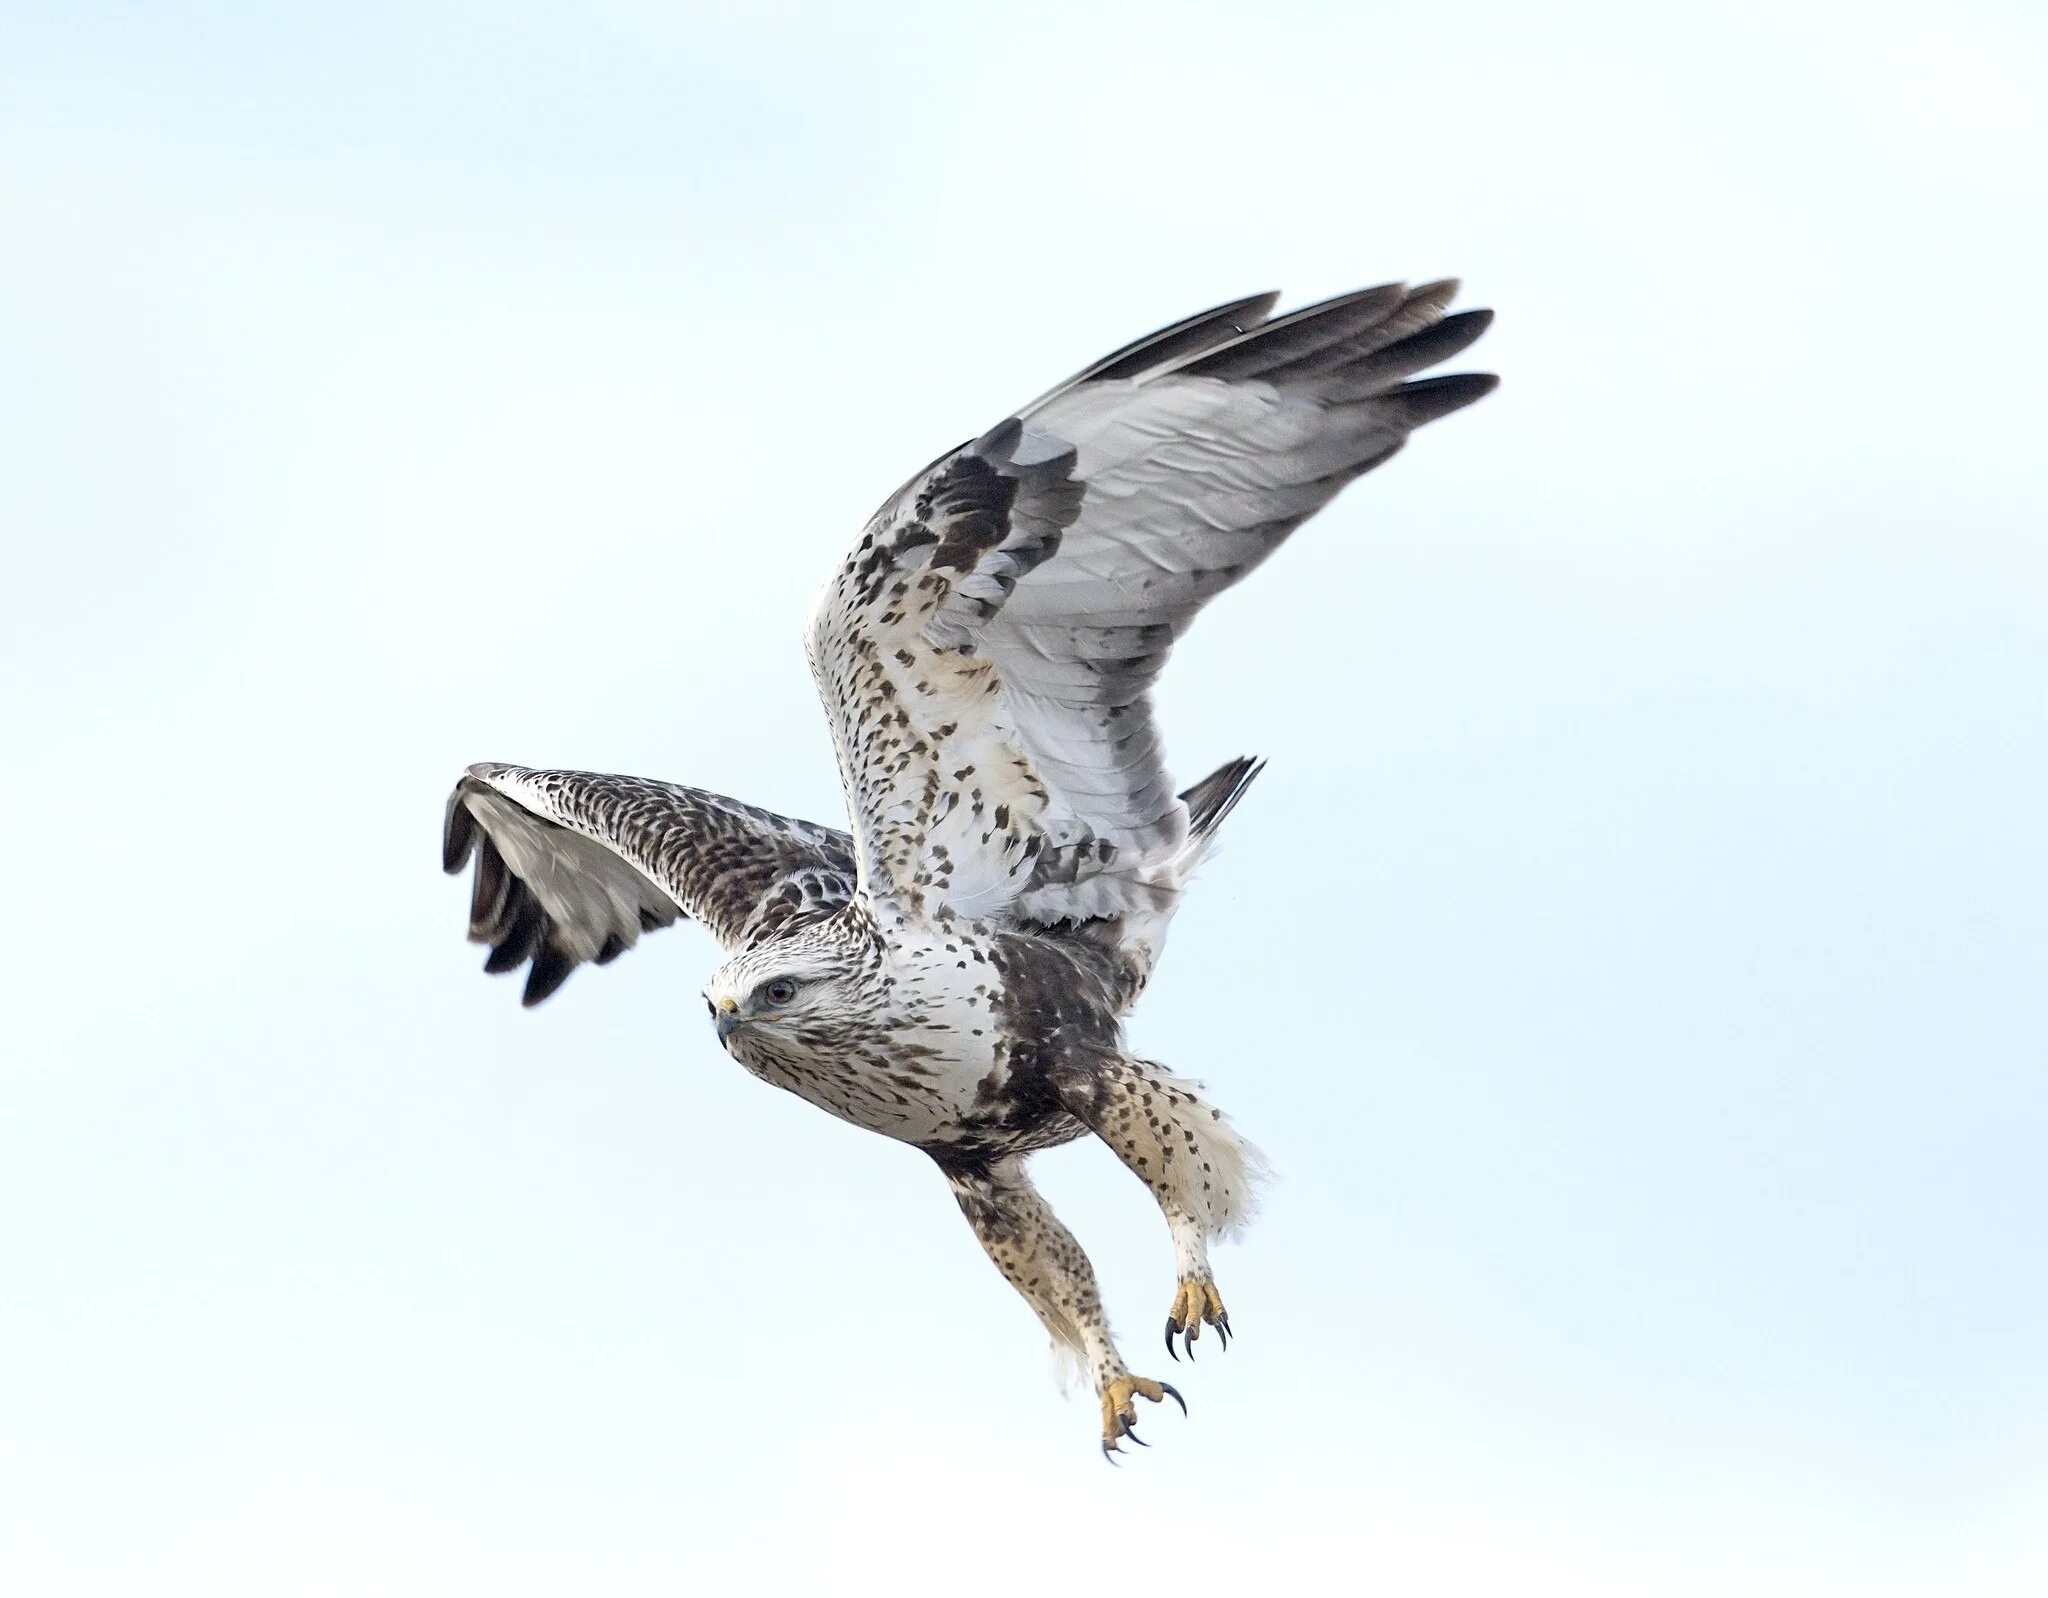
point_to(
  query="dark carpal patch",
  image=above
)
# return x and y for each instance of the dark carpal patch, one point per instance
(970, 499)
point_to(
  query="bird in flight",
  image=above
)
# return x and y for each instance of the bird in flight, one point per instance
(954, 972)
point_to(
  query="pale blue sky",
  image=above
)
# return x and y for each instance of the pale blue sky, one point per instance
(1633, 960)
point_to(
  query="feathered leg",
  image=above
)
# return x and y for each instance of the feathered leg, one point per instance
(1200, 1170)
(1040, 1258)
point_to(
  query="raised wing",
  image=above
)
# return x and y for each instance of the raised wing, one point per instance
(573, 867)
(986, 652)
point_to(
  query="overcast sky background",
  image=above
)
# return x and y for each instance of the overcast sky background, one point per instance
(1633, 960)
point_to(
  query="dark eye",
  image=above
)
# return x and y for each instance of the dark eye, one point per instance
(780, 991)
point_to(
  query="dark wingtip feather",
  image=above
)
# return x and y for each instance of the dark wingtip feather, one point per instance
(1175, 342)
(1450, 336)
(550, 969)
(528, 922)
(490, 891)
(1261, 350)
(458, 834)
(1195, 333)
(1383, 367)
(1432, 397)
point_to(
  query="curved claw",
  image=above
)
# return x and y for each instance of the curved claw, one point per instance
(1173, 1393)
(1130, 1430)
(1222, 1331)
(1108, 1452)
(1172, 1326)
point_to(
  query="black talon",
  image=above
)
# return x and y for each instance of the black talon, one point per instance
(1223, 1331)
(1187, 1341)
(1173, 1393)
(1172, 1326)
(1108, 1452)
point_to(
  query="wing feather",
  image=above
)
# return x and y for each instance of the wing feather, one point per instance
(572, 867)
(986, 653)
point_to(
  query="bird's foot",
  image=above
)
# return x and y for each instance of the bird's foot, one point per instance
(1197, 1302)
(1120, 1410)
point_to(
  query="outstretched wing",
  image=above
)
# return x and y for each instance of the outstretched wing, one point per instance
(573, 867)
(987, 651)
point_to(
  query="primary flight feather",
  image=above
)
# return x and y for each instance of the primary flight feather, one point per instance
(954, 973)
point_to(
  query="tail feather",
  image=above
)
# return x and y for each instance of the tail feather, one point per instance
(1217, 794)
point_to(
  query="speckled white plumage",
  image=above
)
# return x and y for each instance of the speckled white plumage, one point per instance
(954, 972)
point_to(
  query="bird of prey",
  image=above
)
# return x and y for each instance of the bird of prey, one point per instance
(954, 972)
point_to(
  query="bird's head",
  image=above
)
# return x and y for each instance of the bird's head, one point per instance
(789, 1000)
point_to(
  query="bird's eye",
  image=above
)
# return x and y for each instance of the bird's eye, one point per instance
(780, 991)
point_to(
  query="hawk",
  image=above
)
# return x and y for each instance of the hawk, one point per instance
(954, 972)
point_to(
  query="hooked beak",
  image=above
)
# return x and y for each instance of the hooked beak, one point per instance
(726, 1017)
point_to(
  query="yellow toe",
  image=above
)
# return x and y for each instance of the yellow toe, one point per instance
(1196, 1304)
(1120, 1410)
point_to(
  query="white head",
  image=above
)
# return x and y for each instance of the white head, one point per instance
(795, 1000)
